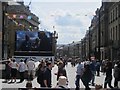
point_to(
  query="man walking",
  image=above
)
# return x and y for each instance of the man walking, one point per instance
(31, 67)
(79, 73)
(61, 70)
(21, 68)
(47, 75)
(93, 69)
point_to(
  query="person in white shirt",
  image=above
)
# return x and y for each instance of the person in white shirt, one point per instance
(21, 68)
(26, 69)
(14, 67)
(79, 73)
(31, 67)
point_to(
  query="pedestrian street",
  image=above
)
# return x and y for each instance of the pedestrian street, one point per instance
(71, 73)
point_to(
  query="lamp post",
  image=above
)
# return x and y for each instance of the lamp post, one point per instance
(55, 36)
(4, 5)
(99, 35)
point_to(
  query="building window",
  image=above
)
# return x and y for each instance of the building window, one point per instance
(111, 18)
(118, 9)
(119, 33)
(111, 34)
(113, 15)
(116, 13)
(116, 33)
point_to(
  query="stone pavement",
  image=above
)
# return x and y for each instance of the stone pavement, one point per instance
(71, 73)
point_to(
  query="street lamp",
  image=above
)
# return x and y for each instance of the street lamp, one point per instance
(99, 35)
(54, 36)
(3, 26)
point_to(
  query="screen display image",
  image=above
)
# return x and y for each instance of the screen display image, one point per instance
(33, 43)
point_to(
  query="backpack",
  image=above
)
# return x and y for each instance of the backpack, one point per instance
(39, 75)
(39, 80)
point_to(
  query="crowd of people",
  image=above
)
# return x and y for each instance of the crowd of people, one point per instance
(85, 70)
(24, 67)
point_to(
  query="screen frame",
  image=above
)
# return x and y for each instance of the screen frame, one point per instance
(34, 53)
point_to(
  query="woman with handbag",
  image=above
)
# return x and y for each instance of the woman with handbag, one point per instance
(40, 73)
(116, 74)
(86, 76)
(108, 77)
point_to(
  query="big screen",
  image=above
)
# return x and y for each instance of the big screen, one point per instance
(33, 43)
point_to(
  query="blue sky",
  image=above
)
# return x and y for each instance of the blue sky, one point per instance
(71, 18)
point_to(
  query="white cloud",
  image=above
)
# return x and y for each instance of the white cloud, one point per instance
(68, 38)
(69, 33)
(68, 20)
(71, 20)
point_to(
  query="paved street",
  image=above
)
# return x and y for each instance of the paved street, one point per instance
(71, 77)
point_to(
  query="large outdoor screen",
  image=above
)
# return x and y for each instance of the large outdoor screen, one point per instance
(33, 43)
